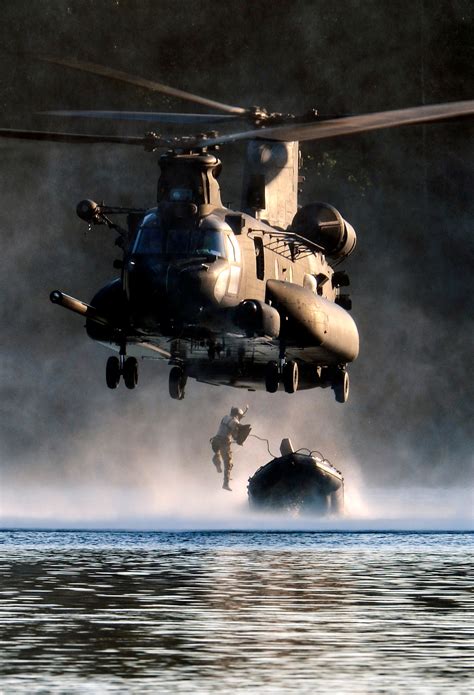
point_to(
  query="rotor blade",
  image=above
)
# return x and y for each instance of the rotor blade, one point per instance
(71, 137)
(141, 82)
(155, 117)
(322, 129)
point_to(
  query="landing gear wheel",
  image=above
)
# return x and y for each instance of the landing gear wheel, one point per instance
(130, 372)
(340, 386)
(290, 376)
(177, 383)
(272, 377)
(112, 372)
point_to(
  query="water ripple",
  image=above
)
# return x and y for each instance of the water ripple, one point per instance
(236, 612)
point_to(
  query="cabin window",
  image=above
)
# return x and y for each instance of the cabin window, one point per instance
(259, 258)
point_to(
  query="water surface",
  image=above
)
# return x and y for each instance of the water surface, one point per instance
(222, 612)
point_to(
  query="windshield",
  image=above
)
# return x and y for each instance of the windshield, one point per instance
(208, 242)
(149, 240)
(178, 241)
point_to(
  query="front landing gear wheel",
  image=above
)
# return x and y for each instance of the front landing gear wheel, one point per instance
(130, 372)
(177, 383)
(290, 376)
(272, 377)
(340, 386)
(112, 372)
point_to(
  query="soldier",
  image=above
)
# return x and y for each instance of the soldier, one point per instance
(229, 430)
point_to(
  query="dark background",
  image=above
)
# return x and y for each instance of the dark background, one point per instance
(408, 193)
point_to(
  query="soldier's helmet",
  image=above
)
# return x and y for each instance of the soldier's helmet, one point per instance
(237, 412)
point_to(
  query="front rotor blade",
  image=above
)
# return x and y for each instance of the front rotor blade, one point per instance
(320, 130)
(141, 82)
(154, 117)
(71, 137)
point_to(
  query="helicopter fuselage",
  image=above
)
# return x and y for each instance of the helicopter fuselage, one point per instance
(220, 302)
(223, 296)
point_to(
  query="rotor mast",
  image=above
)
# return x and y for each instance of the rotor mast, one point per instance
(191, 179)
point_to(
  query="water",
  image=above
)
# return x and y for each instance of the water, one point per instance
(243, 612)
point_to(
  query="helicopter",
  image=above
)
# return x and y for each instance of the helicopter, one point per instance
(249, 298)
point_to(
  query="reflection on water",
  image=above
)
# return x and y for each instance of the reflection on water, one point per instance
(236, 612)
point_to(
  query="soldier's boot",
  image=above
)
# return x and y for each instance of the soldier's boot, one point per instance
(225, 485)
(216, 460)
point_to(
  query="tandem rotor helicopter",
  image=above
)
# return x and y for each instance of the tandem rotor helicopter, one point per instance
(248, 298)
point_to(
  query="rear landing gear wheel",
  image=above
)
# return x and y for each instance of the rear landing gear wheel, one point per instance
(112, 372)
(130, 372)
(272, 377)
(177, 383)
(340, 386)
(290, 376)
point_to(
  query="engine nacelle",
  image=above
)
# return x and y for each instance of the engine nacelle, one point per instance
(257, 318)
(323, 225)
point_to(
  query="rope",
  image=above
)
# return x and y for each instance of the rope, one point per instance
(262, 439)
(311, 452)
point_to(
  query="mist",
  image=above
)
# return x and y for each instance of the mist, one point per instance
(74, 452)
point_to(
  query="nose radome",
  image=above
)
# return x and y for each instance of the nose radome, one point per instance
(190, 280)
(178, 289)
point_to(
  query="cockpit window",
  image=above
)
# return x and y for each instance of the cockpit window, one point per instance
(150, 237)
(208, 242)
(178, 241)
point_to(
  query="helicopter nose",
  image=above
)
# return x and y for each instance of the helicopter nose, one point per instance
(146, 275)
(191, 287)
(178, 290)
(184, 281)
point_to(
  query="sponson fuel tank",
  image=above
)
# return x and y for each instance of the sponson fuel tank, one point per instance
(314, 321)
(297, 481)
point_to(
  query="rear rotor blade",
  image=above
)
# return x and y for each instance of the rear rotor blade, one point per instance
(154, 117)
(322, 129)
(141, 82)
